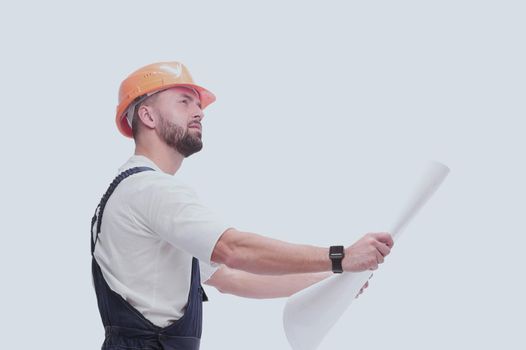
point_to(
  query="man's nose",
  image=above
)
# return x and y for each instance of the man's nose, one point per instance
(197, 117)
(198, 113)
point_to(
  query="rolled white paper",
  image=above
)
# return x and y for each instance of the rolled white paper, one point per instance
(433, 176)
(311, 313)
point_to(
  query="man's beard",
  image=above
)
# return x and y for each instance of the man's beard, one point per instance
(175, 137)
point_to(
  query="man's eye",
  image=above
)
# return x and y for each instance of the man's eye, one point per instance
(184, 101)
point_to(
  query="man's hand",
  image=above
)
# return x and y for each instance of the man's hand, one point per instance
(368, 252)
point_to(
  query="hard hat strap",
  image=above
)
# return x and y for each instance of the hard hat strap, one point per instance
(138, 100)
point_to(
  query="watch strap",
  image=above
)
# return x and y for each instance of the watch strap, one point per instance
(336, 254)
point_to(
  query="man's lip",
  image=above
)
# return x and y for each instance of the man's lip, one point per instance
(197, 126)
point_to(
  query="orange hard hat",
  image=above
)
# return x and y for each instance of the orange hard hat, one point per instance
(151, 78)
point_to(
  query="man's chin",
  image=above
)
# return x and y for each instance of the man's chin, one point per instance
(188, 150)
(188, 154)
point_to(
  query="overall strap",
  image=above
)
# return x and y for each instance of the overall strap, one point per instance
(97, 217)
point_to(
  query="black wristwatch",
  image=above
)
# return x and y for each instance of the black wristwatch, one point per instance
(336, 254)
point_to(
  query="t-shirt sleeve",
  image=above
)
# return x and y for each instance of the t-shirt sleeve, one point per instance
(177, 215)
(207, 271)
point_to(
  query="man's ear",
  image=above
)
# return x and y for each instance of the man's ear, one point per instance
(146, 114)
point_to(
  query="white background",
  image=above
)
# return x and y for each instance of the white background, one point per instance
(325, 114)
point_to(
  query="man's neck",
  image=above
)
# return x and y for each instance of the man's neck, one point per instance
(166, 158)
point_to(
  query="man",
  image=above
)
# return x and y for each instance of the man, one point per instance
(156, 242)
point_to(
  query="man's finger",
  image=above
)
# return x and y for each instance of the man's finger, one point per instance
(382, 248)
(385, 238)
(379, 257)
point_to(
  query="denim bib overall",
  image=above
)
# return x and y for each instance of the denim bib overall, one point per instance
(127, 328)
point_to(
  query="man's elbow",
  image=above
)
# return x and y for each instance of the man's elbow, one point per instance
(223, 280)
(226, 250)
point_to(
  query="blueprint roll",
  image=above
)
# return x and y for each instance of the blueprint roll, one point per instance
(311, 313)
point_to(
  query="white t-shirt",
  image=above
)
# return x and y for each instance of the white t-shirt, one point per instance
(151, 228)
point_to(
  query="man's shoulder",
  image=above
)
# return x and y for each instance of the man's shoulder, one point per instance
(157, 183)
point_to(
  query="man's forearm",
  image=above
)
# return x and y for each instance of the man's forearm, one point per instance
(250, 285)
(262, 255)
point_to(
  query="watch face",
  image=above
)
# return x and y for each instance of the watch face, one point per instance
(336, 252)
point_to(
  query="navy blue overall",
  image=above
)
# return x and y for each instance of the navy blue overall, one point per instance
(127, 328)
